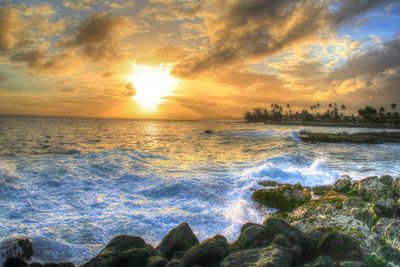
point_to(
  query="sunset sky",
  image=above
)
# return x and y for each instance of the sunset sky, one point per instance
(181, 59)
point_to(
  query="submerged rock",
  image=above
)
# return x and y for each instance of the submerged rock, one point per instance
(180, 238)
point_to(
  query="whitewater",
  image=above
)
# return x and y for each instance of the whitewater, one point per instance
(71, 184)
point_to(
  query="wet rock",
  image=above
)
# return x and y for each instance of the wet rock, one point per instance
(36, 264)
(342, 185)
(390, 254)
(252, 236)
(20, 247)
(371, 188)
(62, 264)
(180, 238)
(322, 261)
(156, 261)
(283, 198)
(208, 252)
(269, 183)
(386, 179)
(173, 263)
(340, 247)
(15, 262)
(385, 207)
(122, 251)
(272, 256)
(322, 189)
(389, 231)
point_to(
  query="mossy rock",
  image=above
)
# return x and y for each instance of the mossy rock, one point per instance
(375, 261)
(180, 238)
(284, 198)
(340, 247)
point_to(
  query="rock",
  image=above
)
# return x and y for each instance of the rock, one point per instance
(180, 238)
(322, 189)
(340, 247)
(208, 132)
(62, 264)
(371, 188)
(351, 264)
(396, 187)
(385, 207)
(390, 254)
(375, 261)
(386, 179)
(173, 263)
(269, 183)
(208, 252)
(389, 231)
(322, 261)
(342, 185)
(36, 264)
(283, 198)
(272, 256)
(20, 247)
(131, 257)
(156, 261)
(15, 262)
(121, 251)
(252, 236)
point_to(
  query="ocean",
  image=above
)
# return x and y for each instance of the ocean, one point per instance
(71, 184)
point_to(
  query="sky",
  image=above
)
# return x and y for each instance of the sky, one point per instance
(183, 59)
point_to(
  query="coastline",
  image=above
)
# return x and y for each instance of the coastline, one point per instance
(329, 124)
(348, 223)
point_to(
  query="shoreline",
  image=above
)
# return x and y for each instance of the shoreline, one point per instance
(348, 222)
(333, 125)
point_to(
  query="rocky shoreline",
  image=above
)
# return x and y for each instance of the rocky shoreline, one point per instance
(356, 138)
(349, 223)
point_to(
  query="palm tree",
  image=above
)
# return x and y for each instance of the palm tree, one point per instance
(343, 107)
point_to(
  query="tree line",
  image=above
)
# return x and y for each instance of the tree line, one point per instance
(334, 113)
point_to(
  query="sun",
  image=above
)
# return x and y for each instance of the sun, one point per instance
(152, 85)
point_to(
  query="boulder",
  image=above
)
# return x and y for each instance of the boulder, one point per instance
(62, 264)
(122, 251)
(322, 189)
(371, 188)
(386, 179)
(174, 263)
(20, 247)
(340, 247)
(272, 256)
(156, 261)
(283, 198)
(385, 207)
(342, 185)
(252, 236)
(322, 261)
(180, 238)
(389, 231)
(390, 254)
(15, 262)
(208, 252)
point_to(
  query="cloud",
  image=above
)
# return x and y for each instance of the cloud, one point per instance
(41, 61)
(3, 77)
(11, 25)
(100, 36)
(164, 55)
(164, 11)
(371, 62)
(249, 30)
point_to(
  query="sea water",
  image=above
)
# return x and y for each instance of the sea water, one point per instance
(71, 184)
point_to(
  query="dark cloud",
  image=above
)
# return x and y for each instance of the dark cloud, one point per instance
(372, 62)
(100, 36)
(39, 60)
(245, 30)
